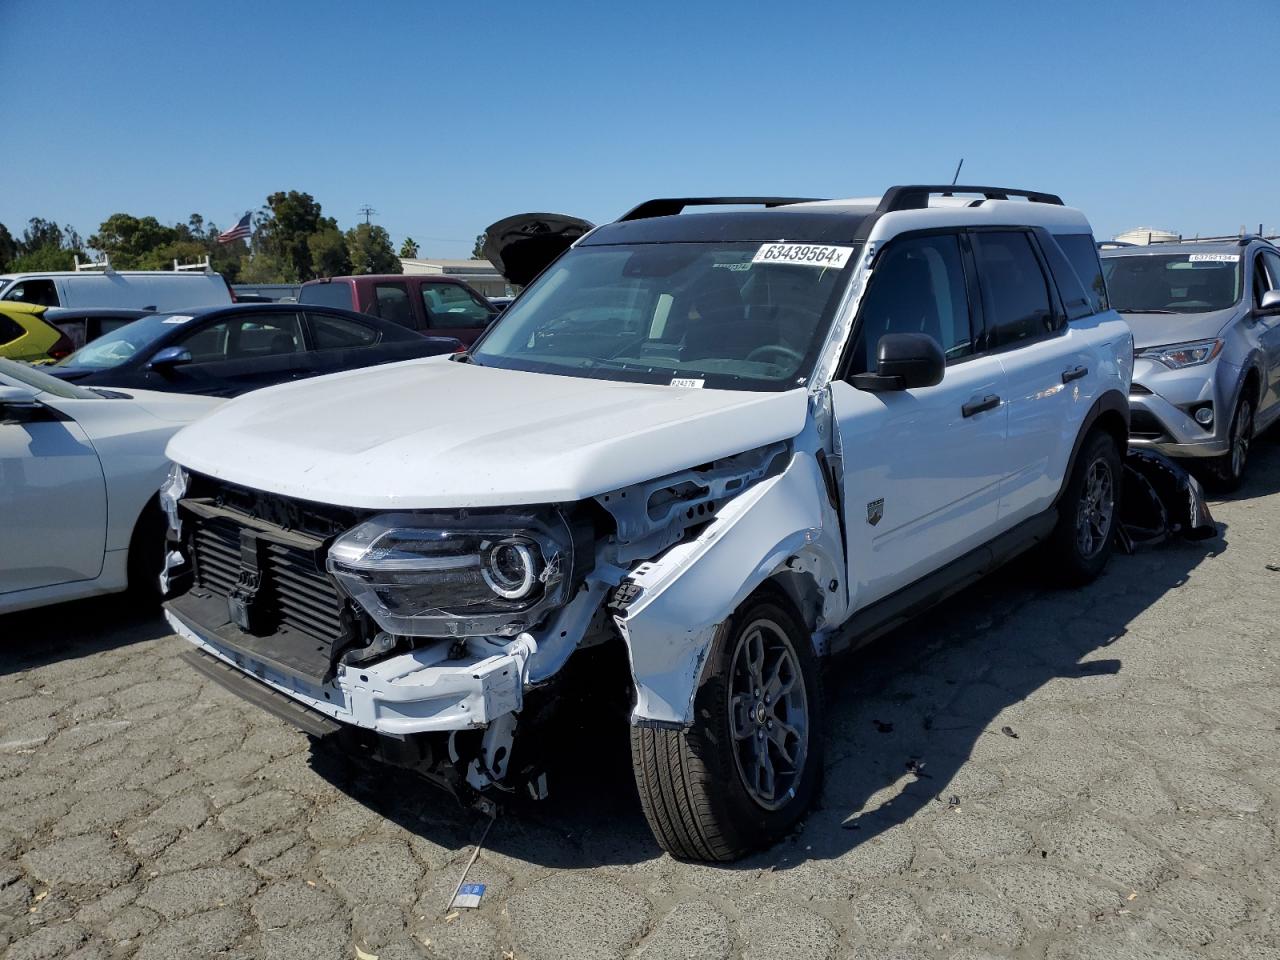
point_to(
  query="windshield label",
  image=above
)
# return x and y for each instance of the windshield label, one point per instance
(178, 318)
(1215, 258)
(687, 382)
(806, 254)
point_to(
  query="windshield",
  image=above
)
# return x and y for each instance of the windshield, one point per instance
(40, 380)
(729, 315)
(1173, 283)
(119, 345)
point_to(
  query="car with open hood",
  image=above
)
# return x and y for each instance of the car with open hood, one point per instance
(727, 444)
(1205, 316)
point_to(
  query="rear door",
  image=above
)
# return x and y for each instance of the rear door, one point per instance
(922, 467)
(452, 310)
(343, 343)
(391, 302)
(237, 353)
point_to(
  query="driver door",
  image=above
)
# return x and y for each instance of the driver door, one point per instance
(922, 467)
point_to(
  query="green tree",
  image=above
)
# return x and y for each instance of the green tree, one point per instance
(45, 258)
(477, 252)
(371, 252)
(329, 254)
(46, 246)
(292, 218)
(8, 248)
(132, 242)
(408, 249)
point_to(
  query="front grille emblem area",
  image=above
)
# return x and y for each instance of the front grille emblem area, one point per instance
(242, 606)
(875, 510)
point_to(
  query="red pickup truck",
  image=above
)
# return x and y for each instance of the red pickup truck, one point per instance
(435, 305)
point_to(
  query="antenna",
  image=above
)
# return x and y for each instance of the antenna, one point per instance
(367, 211)
(956, 178)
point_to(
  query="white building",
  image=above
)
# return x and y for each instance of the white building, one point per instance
(1145, 235)
(479, 273)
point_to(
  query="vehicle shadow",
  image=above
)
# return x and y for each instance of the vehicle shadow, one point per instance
(63, 631)
(903, 716)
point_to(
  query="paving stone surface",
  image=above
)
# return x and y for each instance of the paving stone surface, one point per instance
(1097, 774)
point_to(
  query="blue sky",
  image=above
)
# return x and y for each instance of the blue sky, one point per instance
(447, 116)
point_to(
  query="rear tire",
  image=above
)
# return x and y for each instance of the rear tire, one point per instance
(747, 769)
(1227, 472)
(1088, 512)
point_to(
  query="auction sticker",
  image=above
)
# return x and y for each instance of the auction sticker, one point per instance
(178, 318)
(687, 382)
(805, 254)
(1215, 258)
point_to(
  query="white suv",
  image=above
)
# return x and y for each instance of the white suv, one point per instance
(729, 443)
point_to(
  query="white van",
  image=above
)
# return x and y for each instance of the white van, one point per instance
(157, 290)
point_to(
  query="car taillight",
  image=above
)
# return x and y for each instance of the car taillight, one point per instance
(62, 347)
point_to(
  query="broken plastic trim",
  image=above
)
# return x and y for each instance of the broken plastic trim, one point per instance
(1160, 500)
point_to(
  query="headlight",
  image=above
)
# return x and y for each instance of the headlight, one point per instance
(1179, 355)
(172, 490)
(429, 575)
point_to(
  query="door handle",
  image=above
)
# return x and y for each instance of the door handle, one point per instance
(1075, 373)
(989, 402)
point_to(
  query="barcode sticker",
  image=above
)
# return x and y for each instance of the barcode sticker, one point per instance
(1215, 258)
(687, 382)
(804, 254)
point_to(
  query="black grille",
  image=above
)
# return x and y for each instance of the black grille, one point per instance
(297, 593)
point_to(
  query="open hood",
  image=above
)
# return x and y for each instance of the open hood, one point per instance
(522, 245)
(433, 433)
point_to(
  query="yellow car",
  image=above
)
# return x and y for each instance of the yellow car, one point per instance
(25, 336)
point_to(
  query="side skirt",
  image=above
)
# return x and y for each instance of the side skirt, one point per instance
(896, 609)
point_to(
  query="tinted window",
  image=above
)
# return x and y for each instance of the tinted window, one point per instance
(1174, 282)
(1272, 261)
(1083, 254)
(10, 330)
(1015, 292)
(40, 292)
(453, 305)
(327, 295)
(331, 333)
(245, 337)
(393, 303)
(917, 287)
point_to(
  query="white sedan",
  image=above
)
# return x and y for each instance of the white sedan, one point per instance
(79, 474)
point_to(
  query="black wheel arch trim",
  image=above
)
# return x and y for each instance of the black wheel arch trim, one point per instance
(1111, 401)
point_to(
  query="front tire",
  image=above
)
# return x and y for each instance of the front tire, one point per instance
(747, 769)
(1088, 512)
(1228, 471)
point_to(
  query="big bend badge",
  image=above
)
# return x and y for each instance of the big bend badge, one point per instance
(875, 510)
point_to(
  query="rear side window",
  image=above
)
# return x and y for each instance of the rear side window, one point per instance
(327, 295)
(393, 303)
(1014, 288)
(1083, 254)
(333, 333)
(10, 330)
(245, 337)
(40, 292)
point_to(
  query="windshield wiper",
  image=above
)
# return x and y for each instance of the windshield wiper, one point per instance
(1131, 310)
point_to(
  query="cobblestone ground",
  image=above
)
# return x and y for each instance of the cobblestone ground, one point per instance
(1097, 775)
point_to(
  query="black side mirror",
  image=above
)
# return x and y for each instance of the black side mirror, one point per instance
(904, 361)
(168, 358)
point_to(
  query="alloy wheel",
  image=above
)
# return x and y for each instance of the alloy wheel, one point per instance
(1241, 430)
(1096, 509)
(768, 714)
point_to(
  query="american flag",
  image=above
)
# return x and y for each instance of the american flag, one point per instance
(238, 232)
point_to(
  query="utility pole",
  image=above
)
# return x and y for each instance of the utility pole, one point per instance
(368, 212)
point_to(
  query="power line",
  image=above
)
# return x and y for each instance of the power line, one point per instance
(368, 211)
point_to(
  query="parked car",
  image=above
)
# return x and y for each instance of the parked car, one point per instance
(85, 324)
(1206, 321)
(729, 444)
(224, 351)
(24, 334)
(79, 471)
(430, 303)
(149, 290)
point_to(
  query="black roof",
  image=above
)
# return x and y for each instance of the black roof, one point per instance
(803, 225)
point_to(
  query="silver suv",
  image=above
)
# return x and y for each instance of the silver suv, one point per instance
(1206, 326)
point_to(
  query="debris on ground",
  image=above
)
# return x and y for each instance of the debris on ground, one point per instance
(1274, 567)
(1009, 732)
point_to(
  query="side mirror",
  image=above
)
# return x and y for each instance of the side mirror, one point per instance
(904, 361)
(18, 404)
(1270, 302)
(168, 358)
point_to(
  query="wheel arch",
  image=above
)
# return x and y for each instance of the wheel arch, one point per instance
(1110, 412)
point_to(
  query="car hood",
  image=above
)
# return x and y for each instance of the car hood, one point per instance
(174, 407)
(1158, 329)
(434, 433)
(521, 246)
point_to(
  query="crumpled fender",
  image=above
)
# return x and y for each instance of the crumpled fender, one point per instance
(783, 522)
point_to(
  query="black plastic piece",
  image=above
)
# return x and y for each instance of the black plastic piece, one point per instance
(670, 206)
(1075, 373)
(916, 196)
(627, 593)
(259, 694)
(904, 361)
(974, 407)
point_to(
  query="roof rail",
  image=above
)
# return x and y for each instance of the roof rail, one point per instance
(669, 206)
(104, 264)
(916, 196)
(200, 265)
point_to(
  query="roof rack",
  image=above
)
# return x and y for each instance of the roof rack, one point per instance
(201, 266)
(669, 206)
(104, 264)
(916, 196)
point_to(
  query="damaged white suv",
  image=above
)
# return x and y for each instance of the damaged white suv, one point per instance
(731, 443)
